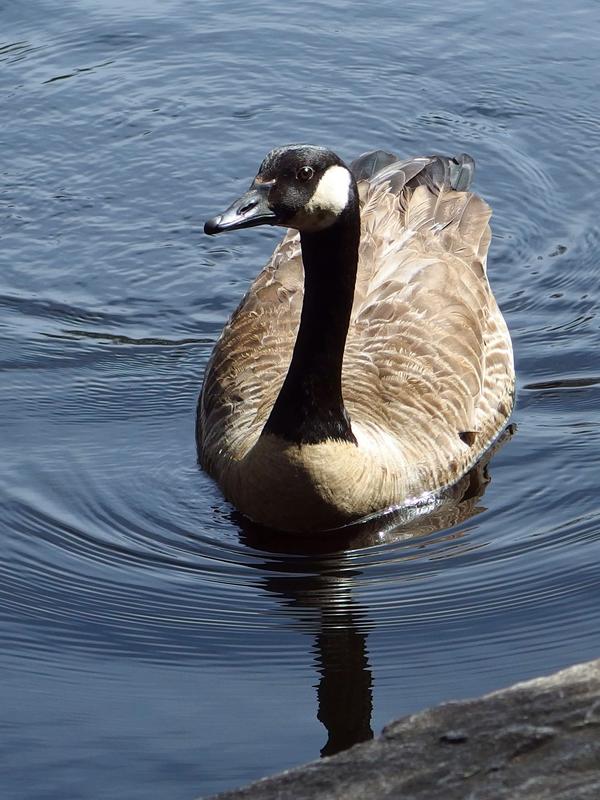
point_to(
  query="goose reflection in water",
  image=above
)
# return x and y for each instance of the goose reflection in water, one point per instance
(314, 578)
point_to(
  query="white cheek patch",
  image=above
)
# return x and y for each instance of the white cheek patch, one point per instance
(332, 192)
(328, 201)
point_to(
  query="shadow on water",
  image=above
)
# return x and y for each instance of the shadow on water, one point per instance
(317, 574)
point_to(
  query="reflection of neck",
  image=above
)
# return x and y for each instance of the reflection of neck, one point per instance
(345, 689)
(317, 590)
(310, 407)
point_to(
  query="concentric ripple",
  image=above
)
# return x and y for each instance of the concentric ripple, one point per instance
(155, 644)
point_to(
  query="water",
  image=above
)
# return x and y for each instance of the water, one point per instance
(152, 644)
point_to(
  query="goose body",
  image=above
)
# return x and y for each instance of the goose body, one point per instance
(369, 364)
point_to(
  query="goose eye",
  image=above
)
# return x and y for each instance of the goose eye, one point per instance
(305, 173)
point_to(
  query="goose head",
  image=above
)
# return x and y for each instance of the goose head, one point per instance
(299, 186)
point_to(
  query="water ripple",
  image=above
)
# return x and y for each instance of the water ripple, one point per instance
(142, 620)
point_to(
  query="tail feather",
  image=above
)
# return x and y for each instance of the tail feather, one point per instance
(369, 164)
(435, 172)
(462, 170)
(432, 194)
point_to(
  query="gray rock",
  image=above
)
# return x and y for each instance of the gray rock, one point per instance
(538, 740)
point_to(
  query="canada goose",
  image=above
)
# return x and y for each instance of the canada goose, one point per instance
(368, 366)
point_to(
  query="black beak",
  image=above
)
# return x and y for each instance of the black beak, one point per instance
(247, 211)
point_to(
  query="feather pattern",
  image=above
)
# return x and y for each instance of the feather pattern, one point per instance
(427, 376)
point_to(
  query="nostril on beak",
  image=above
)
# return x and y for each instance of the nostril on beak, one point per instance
(247, 207)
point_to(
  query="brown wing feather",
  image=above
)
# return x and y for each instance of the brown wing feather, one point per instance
(427, 338)
(251, 358)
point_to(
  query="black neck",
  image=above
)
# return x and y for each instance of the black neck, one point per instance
(310, 408)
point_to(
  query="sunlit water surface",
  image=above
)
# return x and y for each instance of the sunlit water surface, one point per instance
(152, 645)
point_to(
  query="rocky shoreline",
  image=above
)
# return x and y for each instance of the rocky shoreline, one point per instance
(538, 740)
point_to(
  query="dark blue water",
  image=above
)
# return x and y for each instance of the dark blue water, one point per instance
(153, 645)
